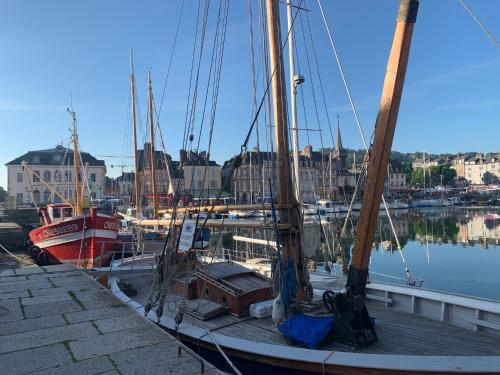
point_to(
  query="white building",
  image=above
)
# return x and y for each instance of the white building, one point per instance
(55, 167)
(476, 168)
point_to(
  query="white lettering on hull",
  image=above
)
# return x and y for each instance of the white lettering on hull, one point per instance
(60, 230)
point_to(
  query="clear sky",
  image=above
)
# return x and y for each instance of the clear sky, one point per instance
(54, 49)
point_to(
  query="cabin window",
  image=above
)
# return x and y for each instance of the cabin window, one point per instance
(56, 213)
(67, 212)
(19, 177)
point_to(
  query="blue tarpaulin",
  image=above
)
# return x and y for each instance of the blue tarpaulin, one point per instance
(306, 330)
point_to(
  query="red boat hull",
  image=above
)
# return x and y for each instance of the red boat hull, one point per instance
(85, 241)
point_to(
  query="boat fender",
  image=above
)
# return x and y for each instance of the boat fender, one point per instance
(278, 314)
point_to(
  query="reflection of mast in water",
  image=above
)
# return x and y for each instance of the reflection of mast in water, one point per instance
(427, 243)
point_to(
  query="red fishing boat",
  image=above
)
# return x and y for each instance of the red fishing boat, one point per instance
(68, 234)
(85, 240)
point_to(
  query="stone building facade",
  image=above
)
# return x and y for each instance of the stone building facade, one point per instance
(55, 167)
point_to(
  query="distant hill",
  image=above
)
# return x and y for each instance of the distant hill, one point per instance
(398, 158)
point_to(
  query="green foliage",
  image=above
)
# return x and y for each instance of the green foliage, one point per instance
(417, 177)
(442, 174)
(407, 167)
(433, 176)
(489, 178)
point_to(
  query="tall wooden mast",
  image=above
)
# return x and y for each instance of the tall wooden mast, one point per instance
(76, 166)
(382, 142)
(138, 192)
(287, 204)
(153, 154)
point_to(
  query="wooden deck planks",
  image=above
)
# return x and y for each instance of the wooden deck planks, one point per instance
(399, 332)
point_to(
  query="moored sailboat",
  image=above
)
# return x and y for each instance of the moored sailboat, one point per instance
(408, 330)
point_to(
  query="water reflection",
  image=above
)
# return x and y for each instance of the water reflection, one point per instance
(453, 249)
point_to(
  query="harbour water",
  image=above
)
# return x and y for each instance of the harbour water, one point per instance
(452, 249)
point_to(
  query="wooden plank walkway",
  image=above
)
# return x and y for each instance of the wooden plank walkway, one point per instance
(399, 332)
(57, 320)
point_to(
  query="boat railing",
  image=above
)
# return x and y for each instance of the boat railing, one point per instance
(464, 311)
(119, 256)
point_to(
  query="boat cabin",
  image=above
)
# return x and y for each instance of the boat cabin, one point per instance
(58, 212)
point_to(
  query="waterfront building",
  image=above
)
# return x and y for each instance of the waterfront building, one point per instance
(421, 163)
(202, 176)
(322, 175)
(396, 181)
(55, 167)
(482, 169)
(458, 164)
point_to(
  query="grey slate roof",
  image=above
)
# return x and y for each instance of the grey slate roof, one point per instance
(54, 156)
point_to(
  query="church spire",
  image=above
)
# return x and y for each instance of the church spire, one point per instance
(338, 145)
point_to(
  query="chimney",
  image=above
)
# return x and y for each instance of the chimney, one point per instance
(308, 150)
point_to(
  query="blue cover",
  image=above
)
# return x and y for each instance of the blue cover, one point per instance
(307, 331)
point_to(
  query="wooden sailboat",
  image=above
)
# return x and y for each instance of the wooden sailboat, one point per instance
(377, 328)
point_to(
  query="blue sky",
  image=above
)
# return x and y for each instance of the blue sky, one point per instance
(54, 49)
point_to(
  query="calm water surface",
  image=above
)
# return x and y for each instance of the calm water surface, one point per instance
(452, 249)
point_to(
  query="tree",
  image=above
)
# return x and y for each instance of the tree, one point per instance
(443, 175)
(3, 194)
(489, 178)
(417, 177)
(407, 167)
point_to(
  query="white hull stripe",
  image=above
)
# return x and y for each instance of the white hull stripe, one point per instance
(77, 236)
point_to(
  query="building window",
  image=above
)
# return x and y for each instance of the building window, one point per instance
(57, 176)
(200, 184)
(20, 177)
(36, 176)
(213, 173)
(19, 197)
(198, 172)
(46, 176)
(67, 176)
(213, 184)
(92, 177)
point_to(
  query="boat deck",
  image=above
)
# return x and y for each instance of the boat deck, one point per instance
(398, 332)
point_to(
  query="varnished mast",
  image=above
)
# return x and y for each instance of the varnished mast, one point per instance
(289, 211)
(76, 166)
(377, 166)
(138, 193)
(153, 154)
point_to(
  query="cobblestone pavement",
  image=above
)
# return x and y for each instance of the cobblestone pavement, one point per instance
(57, 320)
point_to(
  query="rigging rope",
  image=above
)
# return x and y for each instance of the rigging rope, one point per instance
(358, 123)
(478, 21)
